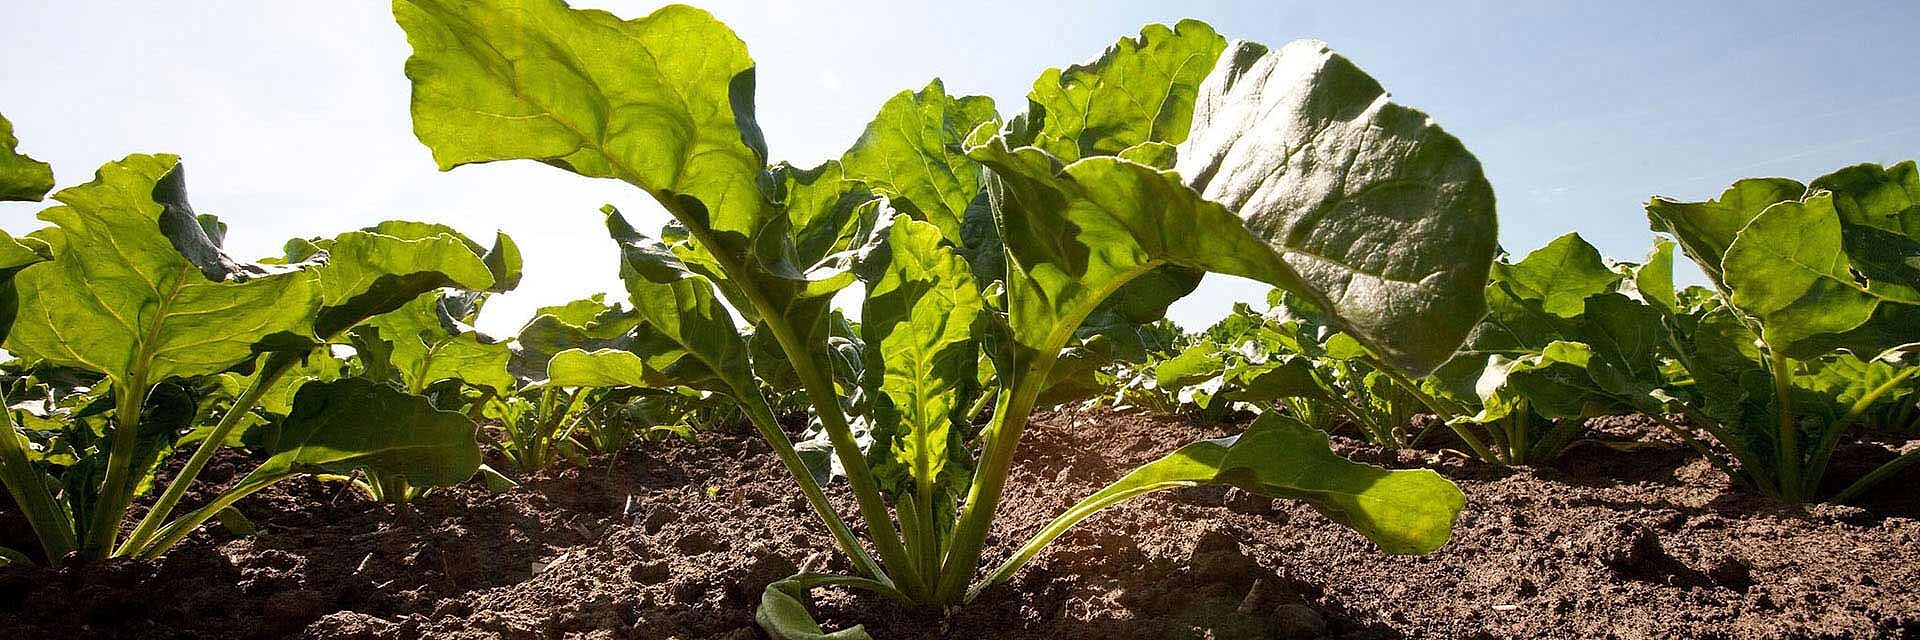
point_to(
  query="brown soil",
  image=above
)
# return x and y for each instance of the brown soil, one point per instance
(670, 540)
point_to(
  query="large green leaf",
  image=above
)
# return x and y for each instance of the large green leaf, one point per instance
(1560, 275)
(1789, 269)
(21, 178)
(137, 290)
(911, 154)
(1141, 90)
(353, 423)
(1386, 218)
(1404, 511)
(1076, 234)
(920, 323)
(1706, 229)
(663, 102)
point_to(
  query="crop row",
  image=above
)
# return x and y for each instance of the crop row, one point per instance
(1006, 263)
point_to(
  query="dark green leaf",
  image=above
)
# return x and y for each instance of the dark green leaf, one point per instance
(1386, 218)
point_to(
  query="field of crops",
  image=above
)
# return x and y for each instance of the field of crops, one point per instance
(1419, 434)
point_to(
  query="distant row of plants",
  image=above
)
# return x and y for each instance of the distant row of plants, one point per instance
(135, 336)
(1808, 336)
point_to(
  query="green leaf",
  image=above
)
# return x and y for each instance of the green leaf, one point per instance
(920, 323)
(589, 324)
(1724, 357)
(1560, 276)
(1076, 234)
(353, 423)
(783, 610)
(504, 263)
(911, 154)
(1386, 218)
(1788, 268)
(16, 254)
(138, 292)
(22, 178)
(428, 347)
(1706, 229)
(1869, 195)
(602, 368)
(1195, 364)
(1404, 512)
(1141, 90)
(371, 272)
(684, 337)
(1654, 280)
(664, 102)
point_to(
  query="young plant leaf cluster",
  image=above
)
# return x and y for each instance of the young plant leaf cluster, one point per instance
(987, 250)
(1807, 336)
(136, 335)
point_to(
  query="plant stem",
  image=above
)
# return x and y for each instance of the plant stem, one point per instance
(1789, 444)
(275, 365)
(1877, 476)
(178, 530)
(1439, 409)
(1003, 436)
(116, 491)
(1060, 525)
(866, 492)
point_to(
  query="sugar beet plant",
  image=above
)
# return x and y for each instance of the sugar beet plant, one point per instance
(1174, 154)
(177, 345)
(1816, 324)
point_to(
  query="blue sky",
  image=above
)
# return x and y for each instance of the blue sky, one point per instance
(292, 117)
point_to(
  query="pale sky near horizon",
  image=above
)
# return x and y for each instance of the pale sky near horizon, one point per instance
(292, 117)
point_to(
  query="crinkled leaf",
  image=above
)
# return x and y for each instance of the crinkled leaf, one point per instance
(1075, 234)
(684, 333)
(1141, 90)
(1386, 218)
(911, 154)
(428, 347)
(129, 292)
(1519, 322)
(372, 272)
(920, 323)
(1559, 276)
(582, 324)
